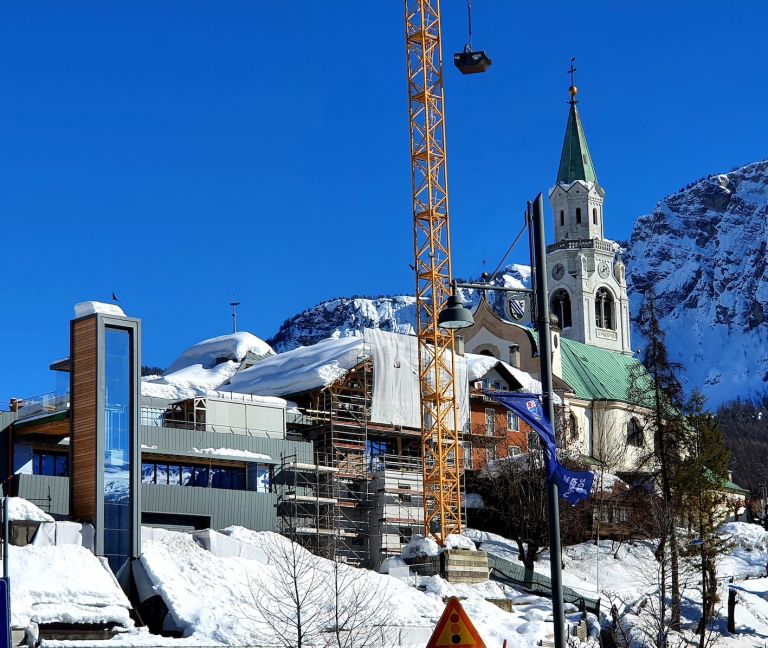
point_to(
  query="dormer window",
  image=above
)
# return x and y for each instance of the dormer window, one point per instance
(578, 214)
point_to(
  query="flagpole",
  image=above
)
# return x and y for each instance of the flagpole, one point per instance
(536, 212)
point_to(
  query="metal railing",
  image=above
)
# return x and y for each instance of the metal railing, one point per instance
(183, 424)
(509, 573)
(48, 403)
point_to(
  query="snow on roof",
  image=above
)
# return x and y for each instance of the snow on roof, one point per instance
(63, 584)
(20, 510)
(206, 366)
(611, 484)
(395, 361)
(209, 353)
(479, 365)
(90, 307)
(300, 370)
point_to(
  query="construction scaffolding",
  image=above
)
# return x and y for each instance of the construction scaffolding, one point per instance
(362, 498)
(325, 505)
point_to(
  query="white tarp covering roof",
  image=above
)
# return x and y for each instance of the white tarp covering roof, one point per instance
(396, 374)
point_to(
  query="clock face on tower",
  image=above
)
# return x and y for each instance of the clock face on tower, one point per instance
(558, 271)
(604, 269)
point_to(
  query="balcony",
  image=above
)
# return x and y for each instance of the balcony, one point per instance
(580, 244)
(41, 405)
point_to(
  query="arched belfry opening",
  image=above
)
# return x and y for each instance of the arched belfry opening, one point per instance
(561, 306)
(604, 309)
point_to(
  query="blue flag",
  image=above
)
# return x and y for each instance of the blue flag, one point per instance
(573, 486)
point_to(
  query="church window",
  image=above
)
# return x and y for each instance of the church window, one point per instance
(562, 217)
(604, 309)
(634, 433)
(561, 306)
(578, 214)
(594, 215)
(573, 426)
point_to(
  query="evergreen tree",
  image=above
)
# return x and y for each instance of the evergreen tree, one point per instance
(656, 390)
(699, 483)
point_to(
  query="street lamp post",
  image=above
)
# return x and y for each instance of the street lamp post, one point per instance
(456, 316)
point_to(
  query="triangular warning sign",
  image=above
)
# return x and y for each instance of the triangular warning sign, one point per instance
(455, 629)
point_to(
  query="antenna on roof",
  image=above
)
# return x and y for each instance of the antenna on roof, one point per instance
(234, 304)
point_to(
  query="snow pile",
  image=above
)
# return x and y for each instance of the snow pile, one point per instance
(456, 541)
(419, 546)
(224, 598)
(92, 307)
(742, 535)
(64, 584)
(20, 509)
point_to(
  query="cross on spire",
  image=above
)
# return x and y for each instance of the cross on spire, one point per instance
(573, 89)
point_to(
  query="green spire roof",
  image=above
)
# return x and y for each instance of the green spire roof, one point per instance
(575, 161)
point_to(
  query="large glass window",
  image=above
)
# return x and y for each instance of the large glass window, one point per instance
(117, 446)
(226, 477)
(50, 464)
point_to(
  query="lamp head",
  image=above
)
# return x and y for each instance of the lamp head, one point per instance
(455, 315)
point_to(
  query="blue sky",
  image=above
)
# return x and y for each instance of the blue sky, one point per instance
(177, 152)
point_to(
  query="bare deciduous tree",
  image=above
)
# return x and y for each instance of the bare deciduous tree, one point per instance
(357, 602)
(292, 607)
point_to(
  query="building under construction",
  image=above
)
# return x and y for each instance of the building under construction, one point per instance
(361, 500)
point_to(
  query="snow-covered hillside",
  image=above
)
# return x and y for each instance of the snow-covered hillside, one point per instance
(345, 317)
(703, 250)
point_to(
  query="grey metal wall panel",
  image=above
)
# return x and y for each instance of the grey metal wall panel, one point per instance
(38, 488)
(181, 442)
(225, 507)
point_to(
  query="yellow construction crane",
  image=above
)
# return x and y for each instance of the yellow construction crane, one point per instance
(440, 447)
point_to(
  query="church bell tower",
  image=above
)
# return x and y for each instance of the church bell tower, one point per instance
(587, 286)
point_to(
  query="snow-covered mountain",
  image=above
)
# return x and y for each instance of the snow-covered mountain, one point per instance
(703, 250)
(344, 317)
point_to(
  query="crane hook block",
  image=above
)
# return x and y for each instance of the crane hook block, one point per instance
(470, 62)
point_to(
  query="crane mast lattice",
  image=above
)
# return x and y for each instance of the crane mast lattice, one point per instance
(441, 451)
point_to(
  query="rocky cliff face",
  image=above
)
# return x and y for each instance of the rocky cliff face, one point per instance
(344, 317)
(349, 316)
(703, 251)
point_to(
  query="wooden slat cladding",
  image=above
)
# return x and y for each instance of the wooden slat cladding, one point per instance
(83, 397)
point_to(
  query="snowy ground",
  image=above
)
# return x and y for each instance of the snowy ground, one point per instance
(222, 599)
(627, 575)
(225, 595)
